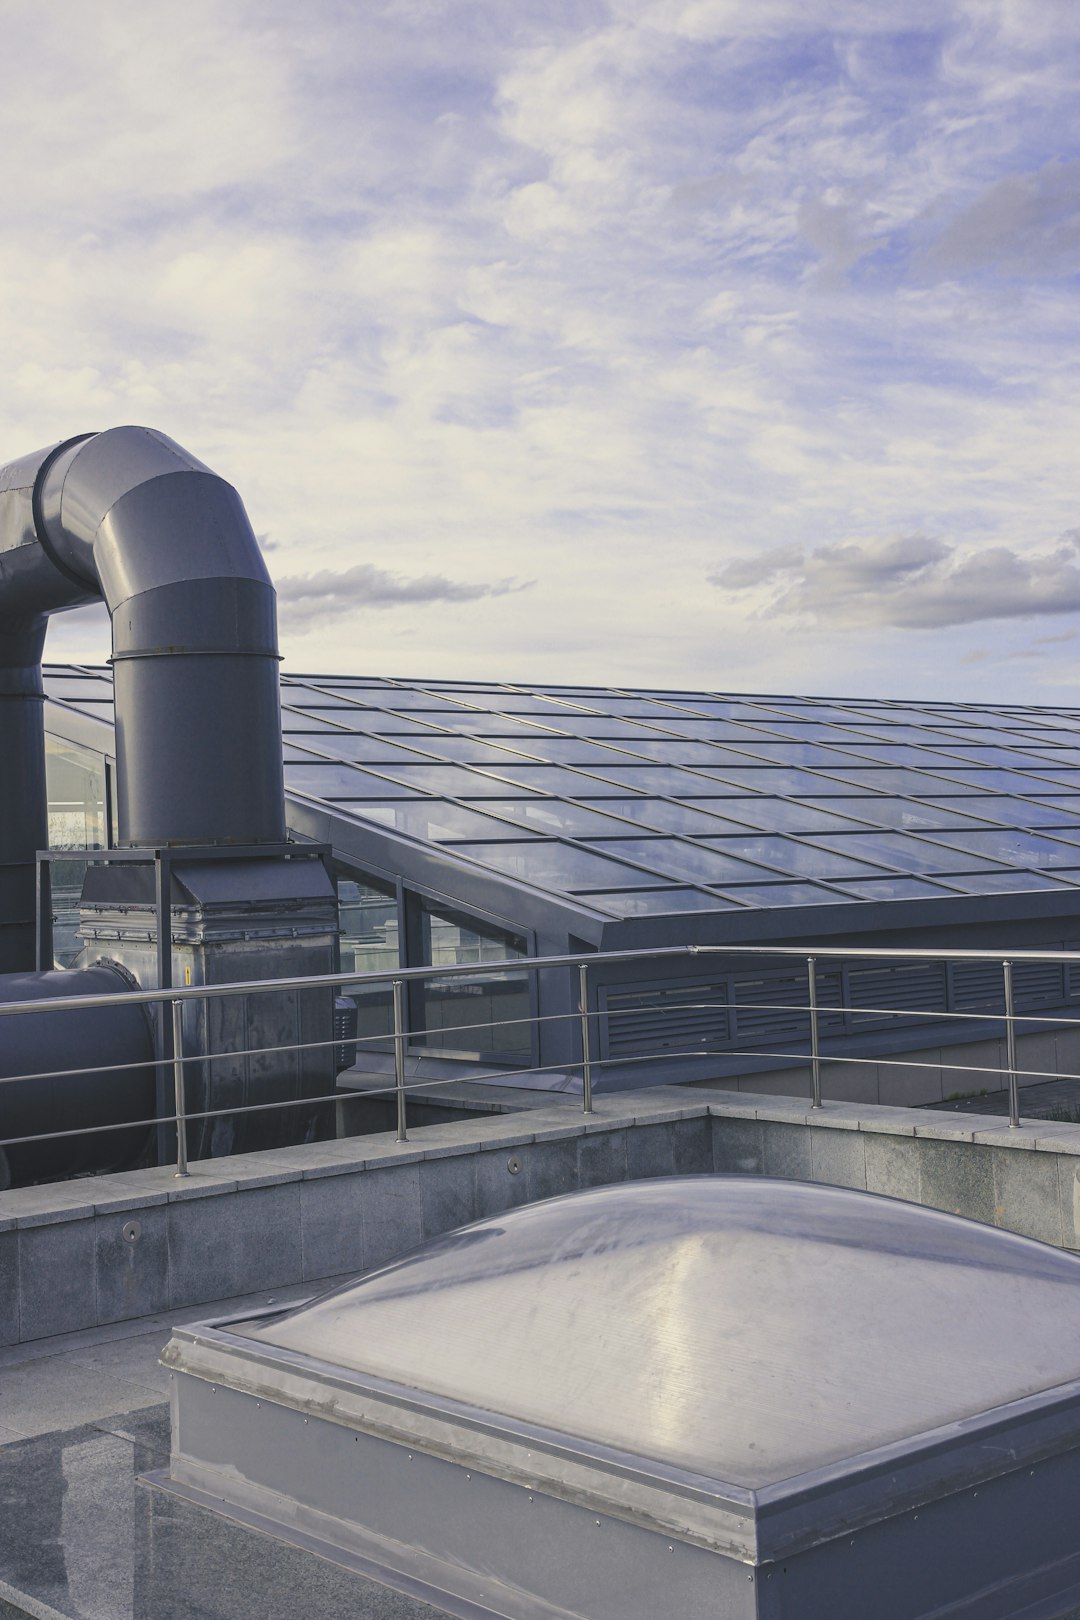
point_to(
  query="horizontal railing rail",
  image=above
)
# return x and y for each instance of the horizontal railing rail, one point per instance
(807, 1049)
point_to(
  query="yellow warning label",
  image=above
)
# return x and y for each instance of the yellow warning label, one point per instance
(187, 974)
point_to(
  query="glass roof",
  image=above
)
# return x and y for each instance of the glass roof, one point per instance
(634, 803)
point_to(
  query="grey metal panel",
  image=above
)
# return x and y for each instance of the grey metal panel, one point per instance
(474, 1545)
(44, 1047)
(744, 1329)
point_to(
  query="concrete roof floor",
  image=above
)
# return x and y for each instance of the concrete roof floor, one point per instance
(84, 1415)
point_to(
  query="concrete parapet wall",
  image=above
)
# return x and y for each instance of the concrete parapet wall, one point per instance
(113, 1248)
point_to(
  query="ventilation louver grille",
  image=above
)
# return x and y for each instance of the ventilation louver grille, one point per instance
(663, 1018)
(898, 987)
(769, 1012)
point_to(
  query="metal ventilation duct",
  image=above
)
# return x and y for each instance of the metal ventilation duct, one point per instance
(130, 518)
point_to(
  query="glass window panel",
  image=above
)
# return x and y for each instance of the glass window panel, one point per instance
(391, 697)
(769, 779)
(1064, 778)
(73, 688)
(553, 816)
(654, 902)
(768, 895)
(910, 853)
(332, 708)
(895, 888)
(647, 778)
(469, 751)
(1020, 812)
(1061, 802)
(803, 753)
(368, 926)
(678, 751)
(1014, 846)
(886, 780)
(1046, 736)
(548, 863)
(553, 712)
(435, 819)
(1059, 758)
(873, 713)
(326, 780)
(636, 708)
(910, 813)
(485, 1016)
(351, 745)
(988, 780)
(732, 709)
(292, 720)
(784, 815)
(778, 730)
(360, 785)
(870, 733)
(904, 754)
(598, 726)
(966, 754)
(791, 709)
(75, 788)
(801, 860)
(663, 815)
(506, 727)
(577, 751)
(459, 780)
(1002, 882)
(380, 724)
(680, 860)
(732, 731)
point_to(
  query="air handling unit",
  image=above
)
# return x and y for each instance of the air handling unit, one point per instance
(202, 887)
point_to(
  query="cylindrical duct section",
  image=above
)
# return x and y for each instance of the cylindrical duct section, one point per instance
(39, 1093)
(195, 658)
(31, 587)
(23, 819)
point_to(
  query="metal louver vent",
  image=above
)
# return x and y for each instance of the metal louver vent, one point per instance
(1037, 983)
(978, 986)
(917, 987)
(663, 1018)
(771, 1006)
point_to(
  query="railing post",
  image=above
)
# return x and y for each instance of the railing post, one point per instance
(815, 1054)
(586, 1059)
(1010, 1047)
(178, 1083)
(399, 1059)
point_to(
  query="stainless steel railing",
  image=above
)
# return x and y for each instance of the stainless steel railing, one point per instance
(173, 999)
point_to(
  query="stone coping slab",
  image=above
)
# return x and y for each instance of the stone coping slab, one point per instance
(91, 1196)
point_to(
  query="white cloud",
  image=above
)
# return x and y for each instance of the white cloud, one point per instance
(612, 295)
(913, 582)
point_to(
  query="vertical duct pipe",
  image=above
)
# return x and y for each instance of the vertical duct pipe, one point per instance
(130, 518)
(30, 589)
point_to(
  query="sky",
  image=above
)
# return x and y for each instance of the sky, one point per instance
(725, 344)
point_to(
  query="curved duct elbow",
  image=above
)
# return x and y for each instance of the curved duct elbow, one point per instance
(168, 546)
(129, 517)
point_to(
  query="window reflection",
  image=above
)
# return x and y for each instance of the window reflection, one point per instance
(470, 1016)
(75, 784)
(368, 924)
